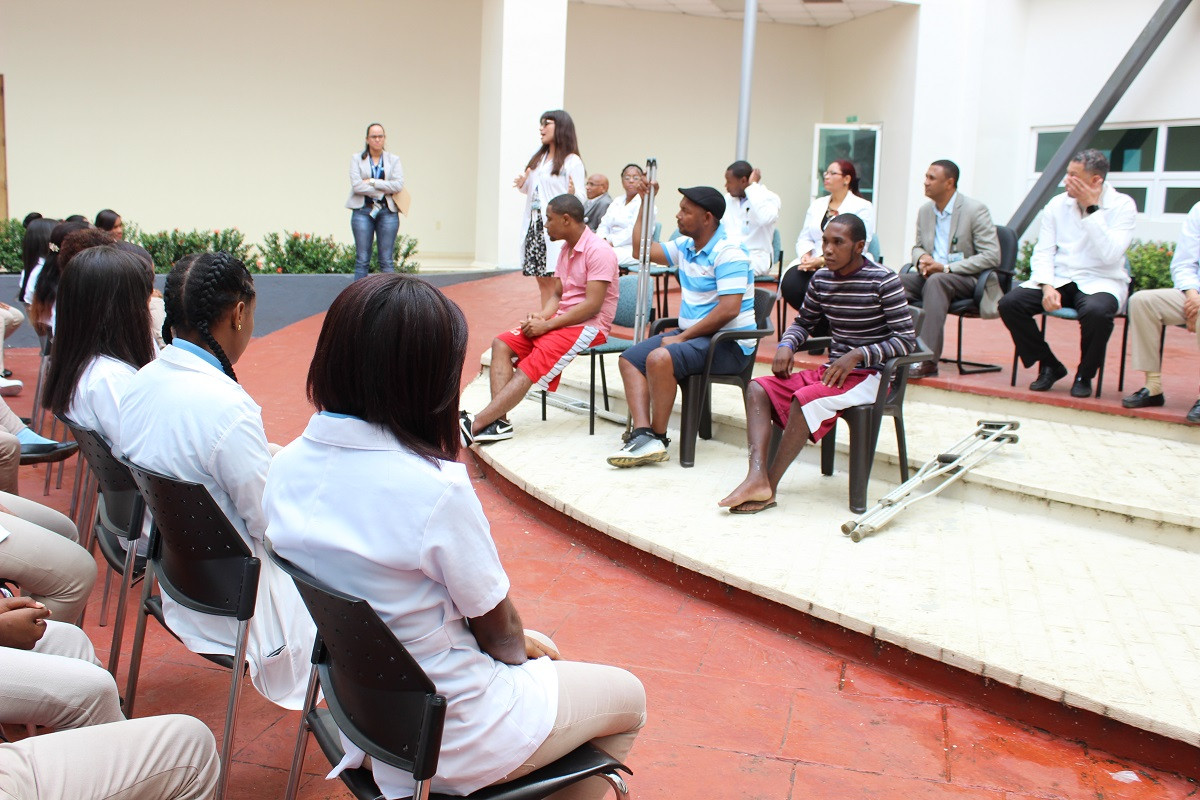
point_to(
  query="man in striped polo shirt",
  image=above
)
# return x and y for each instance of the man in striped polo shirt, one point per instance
(717, 293)
(869, 321)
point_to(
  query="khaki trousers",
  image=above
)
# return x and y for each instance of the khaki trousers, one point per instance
(1150, 310)
(596, 703)
(58, 684)
(936, 293)
(41, 553)
(11, 319)
(152, 758)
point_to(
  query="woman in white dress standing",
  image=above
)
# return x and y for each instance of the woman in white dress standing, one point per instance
(554, 169)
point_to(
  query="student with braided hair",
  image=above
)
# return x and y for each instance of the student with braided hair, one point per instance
(185, 415)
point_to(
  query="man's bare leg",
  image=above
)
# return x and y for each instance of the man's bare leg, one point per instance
(637, 393)
(762, 479)
(660, 375)
(500, 375)
(503, 401)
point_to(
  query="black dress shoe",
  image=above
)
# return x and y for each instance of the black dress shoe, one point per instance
(1082, 387)
(6, 373)
(1143, 399)
(1047, 377)
(1194, 414)
(926, 369)
(43, 452)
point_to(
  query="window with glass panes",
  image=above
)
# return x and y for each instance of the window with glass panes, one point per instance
(1155, 163)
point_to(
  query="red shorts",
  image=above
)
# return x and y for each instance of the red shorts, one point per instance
(820, 404)
(543, 359)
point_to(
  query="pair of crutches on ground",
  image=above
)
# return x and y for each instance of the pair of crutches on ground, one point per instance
(950, 466)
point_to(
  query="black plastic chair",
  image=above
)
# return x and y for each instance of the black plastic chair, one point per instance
(625, 316)
(199, 559)
(118, 519)
(382, 700)
(865, 422)
(696, 412)
(968, 307)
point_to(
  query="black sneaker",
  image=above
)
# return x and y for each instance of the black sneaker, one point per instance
(464, 429)
(1143, 399)
(1193, 416)
(1047, 377)
(498, 431)
(1082, 387)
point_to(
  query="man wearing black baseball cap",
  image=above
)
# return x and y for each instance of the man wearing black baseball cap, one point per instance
(716, 293)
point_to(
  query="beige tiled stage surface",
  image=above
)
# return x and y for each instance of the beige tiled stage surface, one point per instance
(1067, 565)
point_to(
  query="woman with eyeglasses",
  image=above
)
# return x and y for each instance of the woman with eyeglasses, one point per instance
(841, 181)
(554, 169)
(375, 175)
(616, 226)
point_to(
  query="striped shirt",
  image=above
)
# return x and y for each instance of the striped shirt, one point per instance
(721, 267)
(866, 309)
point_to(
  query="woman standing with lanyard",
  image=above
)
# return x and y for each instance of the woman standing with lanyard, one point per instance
(375, 175)
(554, 169)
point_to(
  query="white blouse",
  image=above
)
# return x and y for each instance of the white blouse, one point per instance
(809, 240)
(96, 403)
(546, 187)
(183, 416)
(349, 504)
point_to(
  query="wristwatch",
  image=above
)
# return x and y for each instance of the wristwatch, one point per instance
(1092, 209)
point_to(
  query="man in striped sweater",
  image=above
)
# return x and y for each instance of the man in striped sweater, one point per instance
(869, 321)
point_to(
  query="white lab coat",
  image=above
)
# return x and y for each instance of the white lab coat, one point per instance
(809, 240)
(184, 417)
(349, 504)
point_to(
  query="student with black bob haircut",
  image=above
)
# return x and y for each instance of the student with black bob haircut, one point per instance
(370, 500)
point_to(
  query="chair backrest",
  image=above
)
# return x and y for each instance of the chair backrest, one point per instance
(626, 313)
(123, 504)
(377, 693)
(1008, 256)
(873, 250)
(776, 246)
(197, 554)
(764, 303)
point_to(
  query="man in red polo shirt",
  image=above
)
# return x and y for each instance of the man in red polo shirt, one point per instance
(577, 316)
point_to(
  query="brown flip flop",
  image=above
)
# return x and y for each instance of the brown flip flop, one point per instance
(741, 508)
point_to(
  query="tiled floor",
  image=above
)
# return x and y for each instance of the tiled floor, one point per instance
(737, 709)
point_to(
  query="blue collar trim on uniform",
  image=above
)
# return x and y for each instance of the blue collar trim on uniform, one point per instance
(197, 350)
(336, 415)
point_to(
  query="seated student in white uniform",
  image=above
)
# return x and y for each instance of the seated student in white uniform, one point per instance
(185, 415)
(616, 227)
(51, 678)
(385, 380)
(99, 347)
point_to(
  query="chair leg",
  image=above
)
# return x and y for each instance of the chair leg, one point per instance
(705, 426)
(543, 405)
(114, 655)
(231, 710)
(828, 450)
(310, 701)
(620, 789)
(592, 398)
(1124, 346)
(104, 598)
(862, 456)
(76, 490)
(901, 447)
(139, 639)
(690, 423)
(603, 381)
(968, 367)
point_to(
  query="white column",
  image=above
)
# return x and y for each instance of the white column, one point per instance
(521, 75)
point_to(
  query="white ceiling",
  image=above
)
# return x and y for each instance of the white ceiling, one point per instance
(791, 12)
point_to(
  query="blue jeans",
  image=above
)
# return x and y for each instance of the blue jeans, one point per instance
(384, 228)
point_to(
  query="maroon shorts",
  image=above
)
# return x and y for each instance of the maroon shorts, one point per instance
(820, 404)
(543, 359)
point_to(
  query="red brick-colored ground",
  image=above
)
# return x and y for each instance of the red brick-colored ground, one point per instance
(737, 708)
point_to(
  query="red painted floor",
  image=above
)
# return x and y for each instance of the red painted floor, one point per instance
(737, 708)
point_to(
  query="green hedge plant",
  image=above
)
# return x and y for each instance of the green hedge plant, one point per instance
(12, 236)
(1149, 263)
(296, 253)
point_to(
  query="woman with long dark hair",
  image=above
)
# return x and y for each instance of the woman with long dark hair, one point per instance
(185, 415)
(99, 346)
(841, 182)
(41, 308)
(385, 381)
(375, 175)
(554, 169)
(110, 222)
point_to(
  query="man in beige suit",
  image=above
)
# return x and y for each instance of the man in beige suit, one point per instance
(956, 240)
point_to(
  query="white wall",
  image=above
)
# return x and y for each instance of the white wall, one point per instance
(226, 113)
(643, 84)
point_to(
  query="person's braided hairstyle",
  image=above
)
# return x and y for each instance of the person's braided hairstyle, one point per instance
(200, 289)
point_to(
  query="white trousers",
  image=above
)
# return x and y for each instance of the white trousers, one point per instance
(41, 553)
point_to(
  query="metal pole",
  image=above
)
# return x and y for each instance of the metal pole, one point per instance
(1151, 37)
(749, 24)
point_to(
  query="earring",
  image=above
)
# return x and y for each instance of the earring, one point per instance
(239, 326)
